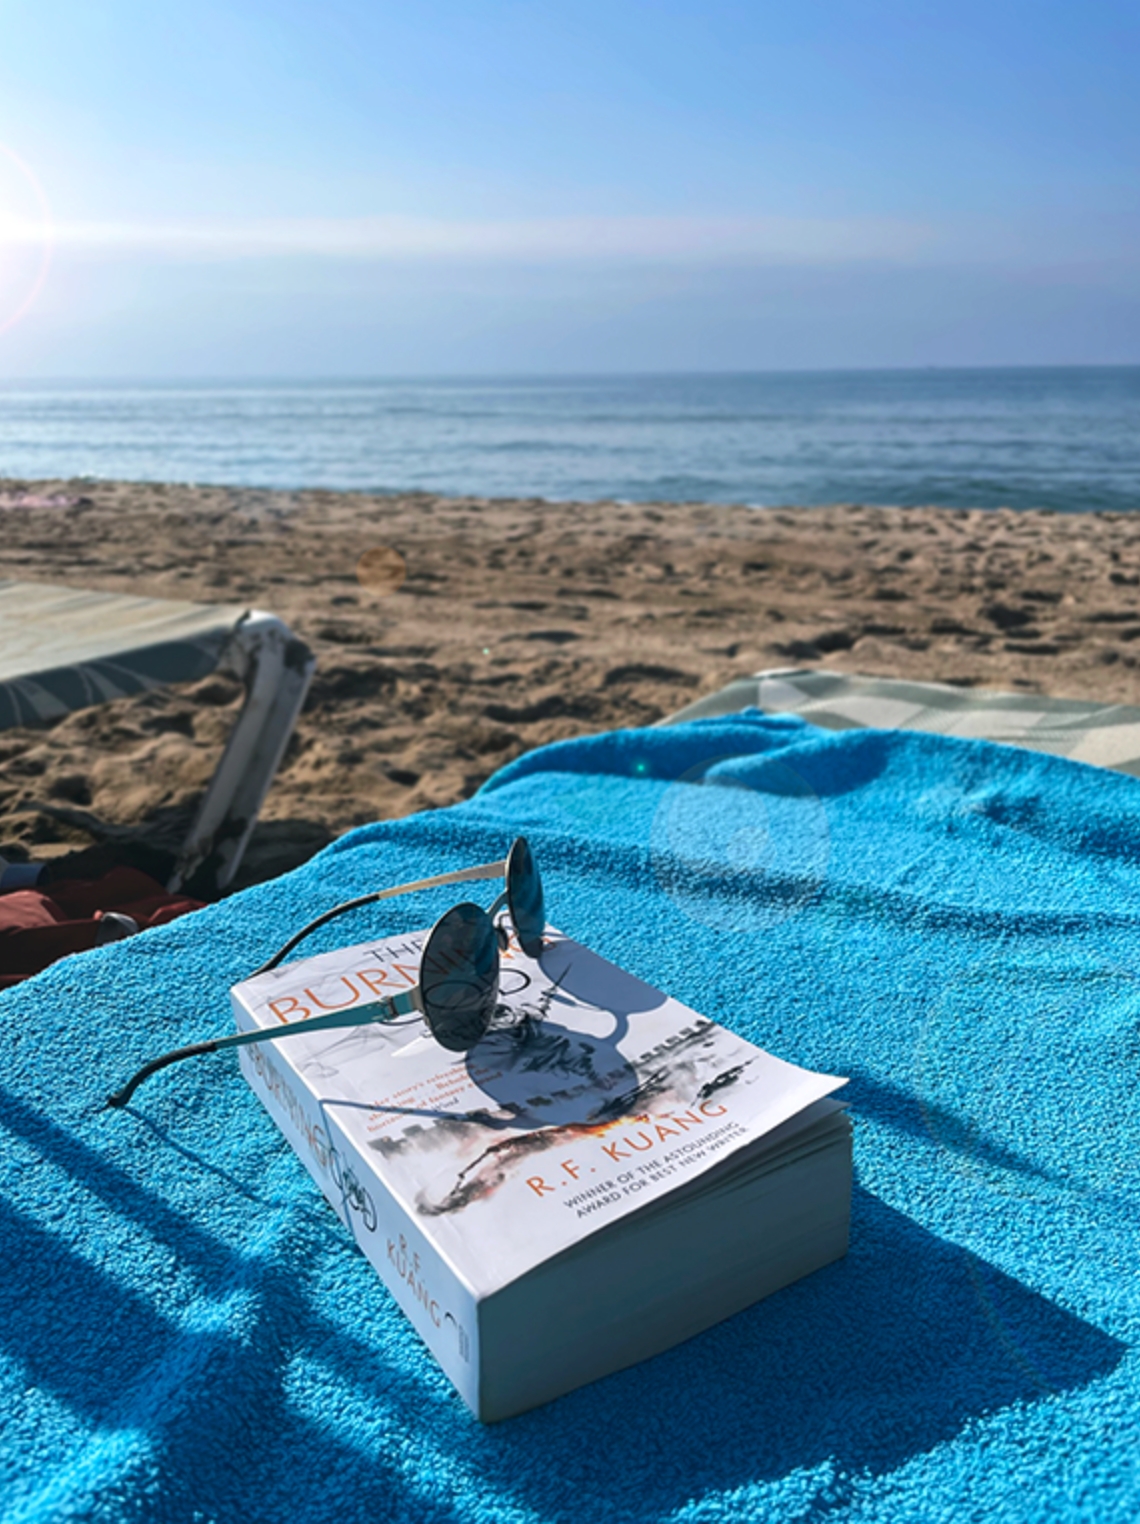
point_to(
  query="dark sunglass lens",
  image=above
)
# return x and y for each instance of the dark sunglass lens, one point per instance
(459, 977)
(524, 896)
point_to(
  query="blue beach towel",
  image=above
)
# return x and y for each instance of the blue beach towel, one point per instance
(187, 1333)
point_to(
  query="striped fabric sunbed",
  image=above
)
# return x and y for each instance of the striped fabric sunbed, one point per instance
(65, 648)
(1105, 735)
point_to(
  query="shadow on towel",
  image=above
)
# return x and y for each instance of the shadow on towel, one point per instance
(212, 1396)
(874, 1360)
(870, 1362)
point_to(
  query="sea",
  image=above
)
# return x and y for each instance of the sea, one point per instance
(1066, 439)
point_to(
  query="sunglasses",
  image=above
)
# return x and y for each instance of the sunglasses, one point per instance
(522, 895)
(458, 987)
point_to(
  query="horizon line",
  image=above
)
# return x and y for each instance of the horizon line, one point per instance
(404, 377)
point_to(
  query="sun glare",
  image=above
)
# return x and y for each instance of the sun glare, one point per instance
(26, 238)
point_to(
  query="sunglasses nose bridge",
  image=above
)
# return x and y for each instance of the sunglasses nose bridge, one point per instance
(503, 902)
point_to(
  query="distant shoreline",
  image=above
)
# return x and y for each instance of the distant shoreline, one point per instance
(521, 622)
(248, 497)
(1056, 438)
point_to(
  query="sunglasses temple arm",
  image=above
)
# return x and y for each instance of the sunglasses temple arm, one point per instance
(461, 876)
(375, 1013)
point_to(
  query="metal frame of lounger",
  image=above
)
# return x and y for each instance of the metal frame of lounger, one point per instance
(1104, 735)
(63, 649)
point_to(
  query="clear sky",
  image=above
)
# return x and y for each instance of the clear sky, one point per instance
(285, 188)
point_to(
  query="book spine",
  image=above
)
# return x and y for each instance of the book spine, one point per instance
(440, 1308)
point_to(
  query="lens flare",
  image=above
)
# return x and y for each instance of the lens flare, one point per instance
(381, 570)
(17, 233)
(740, 843)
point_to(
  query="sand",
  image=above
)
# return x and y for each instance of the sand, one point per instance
(519, 622)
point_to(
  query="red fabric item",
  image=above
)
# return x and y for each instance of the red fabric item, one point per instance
(37, 926)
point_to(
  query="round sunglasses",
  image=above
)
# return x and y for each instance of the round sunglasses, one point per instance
(458, 987)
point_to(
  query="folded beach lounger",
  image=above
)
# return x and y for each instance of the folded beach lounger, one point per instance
(189, 1333)
(62, 649)
(1105, 735)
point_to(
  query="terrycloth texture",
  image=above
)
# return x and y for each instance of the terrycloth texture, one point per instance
(187, 1332)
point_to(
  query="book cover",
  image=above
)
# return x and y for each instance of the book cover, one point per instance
(592, 1096)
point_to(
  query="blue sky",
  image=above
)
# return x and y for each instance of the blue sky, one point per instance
(345, 189)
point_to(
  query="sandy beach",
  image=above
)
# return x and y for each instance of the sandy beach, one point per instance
(521, 621)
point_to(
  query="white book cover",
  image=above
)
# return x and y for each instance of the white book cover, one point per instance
(592, 1095)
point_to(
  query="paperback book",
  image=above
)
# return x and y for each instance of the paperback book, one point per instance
(605, 1174)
